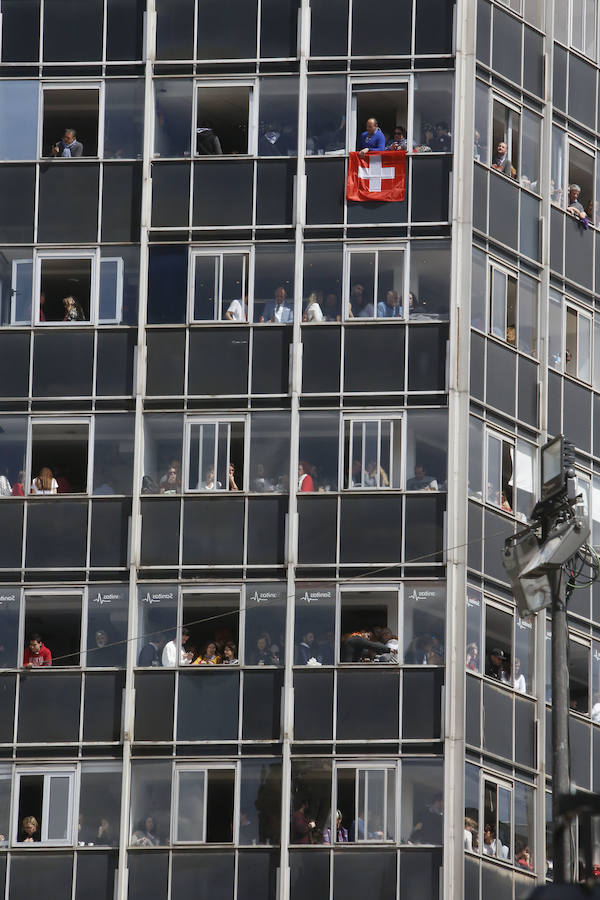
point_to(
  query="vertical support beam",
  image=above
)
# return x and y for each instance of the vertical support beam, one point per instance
(561, 845)
(458, 447)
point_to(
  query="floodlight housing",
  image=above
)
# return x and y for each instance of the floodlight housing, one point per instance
(558, 457)
(533, 593)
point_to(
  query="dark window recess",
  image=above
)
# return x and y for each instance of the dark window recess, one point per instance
(61, 42)
(275, 192)
(270, 360)
(320, 360)
(421, 704)
(261, 711)
(218, 361)
(329, 29)
(55, 869)
(96, 876)
(56, 535)
(278, 27)
(170, 193)
(352, 878)
(313, 706)
(217, 39)
(166, 363)
(266, 530)
(222, 192)
(374, 359)
(208, 874)
(356, 691)
(213, 531)
(217, 695)
(148, 872)
(20, 30)
(14, 365)
(525, 733)
(167, 284)
(49, 708)
(72, 189)
(110, 531)
(63, 364)
(506, 49)
(154, 705)
(17, 192)
(427, 358)
(160, 532)
(325, 191)
(114, 375)
(175, 29)
(317, 529)
(124, 29)
(121, 199)
(102, 706)
(380, 28)
(371, 529)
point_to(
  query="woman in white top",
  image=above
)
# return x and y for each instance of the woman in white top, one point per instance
(237, 311)
(45, 483)
(313, 311)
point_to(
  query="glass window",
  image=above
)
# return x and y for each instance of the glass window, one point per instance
(163, 452)
(379, 29)
(366, 797)
(426, 450)
(260, 802)
(578, 340)
(372, 453)
(475, 458)
(473, 660)
(579, 677)
(217, 39)
(173, 114)
(56, 619)
(424, 623)
(429, 296)
(78, 107)
(150, 803)
(265, 625)
(376, 284)
(107, 608)
(59, 458)
(278, 117)
(219, 286)
(311, 800)
(15, 96)
(157, 621)
(583, 26)
(422, 802)
(500, 472)
(497, 818)
(58, 31)
(326, 123)
(210, 618)
(123, 118)
(274, 284)
(44, 808)
(322, 289)
(530, 151)
(526, 478)
(270, 452)
(204, 799)
(433, 112)
(580, 187)
(555, 338)
(223, 117)
(503, 305)
(506, 125)
(498, 643)
(481, 141)
(369, 626)
(215, 456)
(315, 625)
(523, 667)
(99, 805)
(318, 452)
(12, 456)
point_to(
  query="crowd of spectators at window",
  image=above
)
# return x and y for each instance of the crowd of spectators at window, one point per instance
(435, 139)
(168, 652)
(498, 666)
(378, 644)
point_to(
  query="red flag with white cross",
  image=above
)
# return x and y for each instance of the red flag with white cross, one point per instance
(380, 175)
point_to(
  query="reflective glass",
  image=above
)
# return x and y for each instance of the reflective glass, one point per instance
(278, 117)
(326, 123)
(173, 115)
(15, 96)
(123, 118)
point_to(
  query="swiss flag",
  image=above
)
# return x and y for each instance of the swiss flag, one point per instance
(380, 175)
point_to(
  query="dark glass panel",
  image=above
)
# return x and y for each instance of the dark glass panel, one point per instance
(222, 192)
(582, 91)
(257, 875)
(102, 706)
(579, 253)
(576, 415)
(320, 360)
(170, 194)
(497, 722)
(496, 882)
(278, 27)
(262, 698)
(160, 532)
(325, 191)
(313, 706)
(430, 189)
(358, 718)
(317, 529)
(166, 363)
(497, 529)
(424, 530)
(275, 191)
(63, 364)
(557, 240)
(374, 359)
(471, 879)
(110, 532)
(56, 534)
(124, 29)
(475, 531)
(20, 30)
(506, 45)
(473, 711)
(7, 706)
(54, 870)
(213, 531)
(380, 28)
(528, 392)
(504, 210)
(154, 704)
(217, 695)
(72, 188)
(533, 62)
(167, 284)
(356, 874)
(17, 193)
(420, 873)
(218, 361)
(484, 16)
(203, 875)
(421, 704)
(501, 378)
(49, 708)
(427, 358)
(217, 39)
(559, 72)
(433, 28)
(371, 529)
(11, 528)
(530, 226)
(175, 29)
(121, 199)
(309, 876)
(480, 191)
(96, 876)
(73, 30)
(525, 733)
(14, 365)
(114, 375)
(266, 530)
(148, 875)
(270, 360)
(329, 28)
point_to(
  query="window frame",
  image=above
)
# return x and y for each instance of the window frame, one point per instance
(53, 85)
(203, 769)
(192, 421)
(511, 277)
(508, 786)
(253, 105)
(219, 254)
(582, 5)
(397, 442)
(364, 84)
(37, 421)
(358, 767)
(47, 773)
(374, 250)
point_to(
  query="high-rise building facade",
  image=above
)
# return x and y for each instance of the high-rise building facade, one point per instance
(260, 446)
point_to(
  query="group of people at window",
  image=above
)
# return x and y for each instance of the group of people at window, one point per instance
(47, 481)
(377, 644)
(168, 651)
(435, 139)
(498, 666)
(105, 651)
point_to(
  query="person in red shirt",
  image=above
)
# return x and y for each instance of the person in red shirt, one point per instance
(305, 481)
(36, 654)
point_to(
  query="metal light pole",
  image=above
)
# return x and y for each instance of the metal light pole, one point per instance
(561, 840)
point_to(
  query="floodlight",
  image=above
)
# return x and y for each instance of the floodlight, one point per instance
(533, 593)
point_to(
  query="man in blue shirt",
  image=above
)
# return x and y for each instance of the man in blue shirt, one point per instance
(371, 139)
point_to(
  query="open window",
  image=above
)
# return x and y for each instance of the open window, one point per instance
(581, 173)
(63, 448)
(578, 343)
(366, 797)
(211, 617)
(375, 284)
(579, 676)
(214, 455)
(224, 123)
(386, 103)
(498, 642)
(163, 453)
(219, 286)
(76, 108)
(366, 617)
(65, 288)
(57, 619)
(503, 304)
(506, 128)
(500, 467)
(43, 811)
(372, 453)
(204, 805)
(497, 820)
